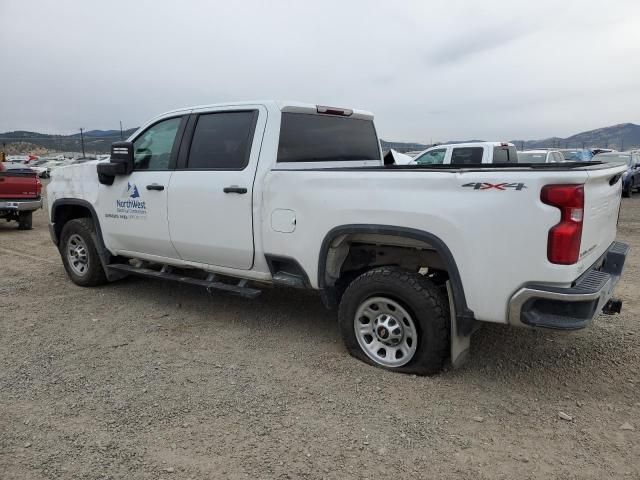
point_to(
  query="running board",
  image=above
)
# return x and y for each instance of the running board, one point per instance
(165, 274)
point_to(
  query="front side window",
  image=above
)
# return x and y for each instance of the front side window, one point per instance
(222, 140)
(432, 157)
(467, 155)
(152, 149)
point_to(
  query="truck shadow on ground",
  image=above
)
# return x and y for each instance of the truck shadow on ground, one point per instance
(498, 352)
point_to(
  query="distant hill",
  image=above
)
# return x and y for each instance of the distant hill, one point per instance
(624, 136)
(95, 141)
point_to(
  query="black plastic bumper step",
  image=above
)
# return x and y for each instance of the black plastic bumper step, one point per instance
(167, 275)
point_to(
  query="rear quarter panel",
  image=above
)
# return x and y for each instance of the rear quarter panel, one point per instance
(498, 236)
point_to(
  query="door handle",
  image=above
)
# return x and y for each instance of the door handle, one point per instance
(155, 186)
(234, 189)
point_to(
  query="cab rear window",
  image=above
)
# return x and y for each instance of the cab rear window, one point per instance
(323, 138)
(506, 154)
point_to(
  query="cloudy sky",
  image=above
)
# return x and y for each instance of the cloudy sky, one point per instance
(429, 70)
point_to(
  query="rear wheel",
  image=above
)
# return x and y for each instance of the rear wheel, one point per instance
(79, 253)
(25, 220)
(396, 320)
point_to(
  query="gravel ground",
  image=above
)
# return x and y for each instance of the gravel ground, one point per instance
(143, 379)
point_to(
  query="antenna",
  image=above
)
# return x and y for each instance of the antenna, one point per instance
(121, 138)
(82, 140)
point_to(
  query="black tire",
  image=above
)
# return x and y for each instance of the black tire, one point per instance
(627, 192)
(25, 220)
(424, 301)
(94, 274)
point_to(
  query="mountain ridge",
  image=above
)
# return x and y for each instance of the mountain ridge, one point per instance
(620, 137)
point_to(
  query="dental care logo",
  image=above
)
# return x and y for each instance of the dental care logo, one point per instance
(132, 204)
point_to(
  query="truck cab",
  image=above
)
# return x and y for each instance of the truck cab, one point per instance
(471, 153)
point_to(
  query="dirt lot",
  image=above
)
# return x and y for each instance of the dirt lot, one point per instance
(144, 379)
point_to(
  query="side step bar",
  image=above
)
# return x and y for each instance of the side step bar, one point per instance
(209, 284)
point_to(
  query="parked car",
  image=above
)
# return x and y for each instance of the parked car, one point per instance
(19, 194)
(631, 177)
(39, 166)
(540, 156)
(472, 153)
(576, 154)
(297, 195)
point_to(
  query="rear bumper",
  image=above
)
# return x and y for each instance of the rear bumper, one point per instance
(20, 205)
(570, 308)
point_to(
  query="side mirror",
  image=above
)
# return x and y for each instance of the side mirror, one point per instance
(120, 163)
(122, 153)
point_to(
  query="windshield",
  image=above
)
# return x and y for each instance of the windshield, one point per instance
(324, 138)
(532, 157)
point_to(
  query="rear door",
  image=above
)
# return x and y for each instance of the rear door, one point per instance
(211, 191)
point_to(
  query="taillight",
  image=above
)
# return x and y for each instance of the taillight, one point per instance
(563, 246)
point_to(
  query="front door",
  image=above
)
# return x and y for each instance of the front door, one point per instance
(210, 205)
(134, 209)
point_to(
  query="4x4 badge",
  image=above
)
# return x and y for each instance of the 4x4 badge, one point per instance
(496, 186)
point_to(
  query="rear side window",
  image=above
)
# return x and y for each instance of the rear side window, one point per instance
(467, 155)
(222, 140)
(322, 138)
(505, 154)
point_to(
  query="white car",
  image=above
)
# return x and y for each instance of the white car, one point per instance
(297, 195)
(472, 153)
(540, 156)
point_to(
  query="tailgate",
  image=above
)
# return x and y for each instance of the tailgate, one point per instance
(601, 207)
(18, 184)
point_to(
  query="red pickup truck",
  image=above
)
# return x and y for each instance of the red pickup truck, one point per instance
(19, 195)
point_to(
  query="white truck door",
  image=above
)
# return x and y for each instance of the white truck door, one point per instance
(133, 210)
(211, 191)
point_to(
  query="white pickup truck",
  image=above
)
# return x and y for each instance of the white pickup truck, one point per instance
(470, 153)
(235, 196)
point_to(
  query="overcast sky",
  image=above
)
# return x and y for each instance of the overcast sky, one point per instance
(429, 70)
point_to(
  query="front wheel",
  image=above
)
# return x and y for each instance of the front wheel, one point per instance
(79, 253)
(627, 192)
(396, 319)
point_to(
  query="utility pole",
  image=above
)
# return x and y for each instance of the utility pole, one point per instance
(622, 144)
(82, 140)
(121, 138)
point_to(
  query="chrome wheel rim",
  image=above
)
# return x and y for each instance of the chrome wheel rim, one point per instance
(386, 332)
(77, 255)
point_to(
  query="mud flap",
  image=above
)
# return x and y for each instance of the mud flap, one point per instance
(459, 348)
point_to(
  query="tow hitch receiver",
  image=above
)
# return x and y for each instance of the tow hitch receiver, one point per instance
(612, 307)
